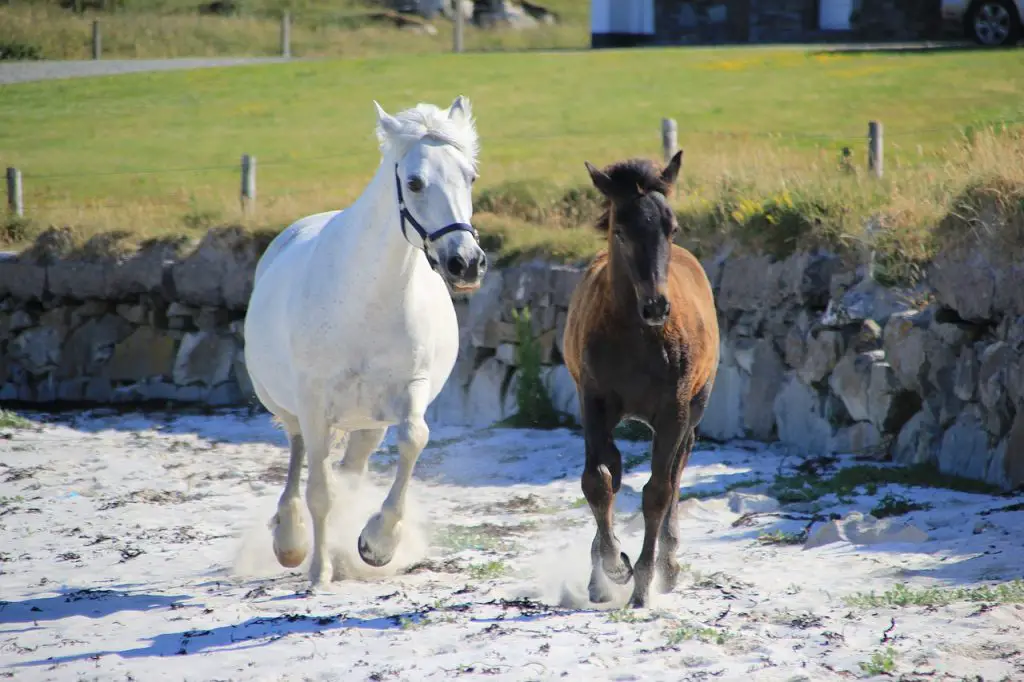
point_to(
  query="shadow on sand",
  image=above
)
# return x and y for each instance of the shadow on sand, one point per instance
(261, 631)
(86, 602)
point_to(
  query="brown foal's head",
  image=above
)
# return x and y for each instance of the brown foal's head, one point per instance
(640, 228)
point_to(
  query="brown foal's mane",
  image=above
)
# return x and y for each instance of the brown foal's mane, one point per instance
(630, 179)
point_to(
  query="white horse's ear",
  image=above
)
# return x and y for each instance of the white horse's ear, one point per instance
(386, 121)
(460, 108)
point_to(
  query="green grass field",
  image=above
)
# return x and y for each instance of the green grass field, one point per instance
(174, 28)
(762, 128)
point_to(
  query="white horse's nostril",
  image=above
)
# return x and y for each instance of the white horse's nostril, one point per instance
(457, 266)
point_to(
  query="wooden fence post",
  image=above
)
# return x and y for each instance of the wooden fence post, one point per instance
(669, 138)
(248, 184)
(875, 148)
(286, 34)
(670, 143)
(459, 25)
(14, 195)
(97, 41)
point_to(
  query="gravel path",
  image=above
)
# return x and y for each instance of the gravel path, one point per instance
(22, 72)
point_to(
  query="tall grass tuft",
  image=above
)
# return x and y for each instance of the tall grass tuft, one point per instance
(534, 407)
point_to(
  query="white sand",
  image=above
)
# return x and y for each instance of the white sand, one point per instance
(136, 547)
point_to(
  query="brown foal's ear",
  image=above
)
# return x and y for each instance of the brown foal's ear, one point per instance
(671, 172)
(601, 181)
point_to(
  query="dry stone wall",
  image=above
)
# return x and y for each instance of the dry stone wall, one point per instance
(816, 355)
(151, 326)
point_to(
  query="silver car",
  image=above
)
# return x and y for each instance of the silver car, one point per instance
(987, 22)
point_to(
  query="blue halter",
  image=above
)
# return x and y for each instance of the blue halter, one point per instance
(407, 217)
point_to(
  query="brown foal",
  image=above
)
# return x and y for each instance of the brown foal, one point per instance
(641, 341)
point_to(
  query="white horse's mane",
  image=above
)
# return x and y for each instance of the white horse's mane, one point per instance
(428, 120)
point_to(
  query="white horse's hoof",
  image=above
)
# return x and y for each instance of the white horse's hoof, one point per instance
(377, 545)
(370, 556)
(291, 543)
(290, 559)
(290, 548)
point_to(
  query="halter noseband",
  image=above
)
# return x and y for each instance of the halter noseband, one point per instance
(425, 237)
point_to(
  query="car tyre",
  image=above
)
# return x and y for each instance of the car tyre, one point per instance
(993, 23)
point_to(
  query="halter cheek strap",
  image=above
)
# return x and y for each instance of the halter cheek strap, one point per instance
(425, 237)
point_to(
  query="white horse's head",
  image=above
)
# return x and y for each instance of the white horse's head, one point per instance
(432, 153)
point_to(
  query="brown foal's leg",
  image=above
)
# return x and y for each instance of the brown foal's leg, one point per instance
(602, 476)
(659, 492)
(668, 541)
(666, 564)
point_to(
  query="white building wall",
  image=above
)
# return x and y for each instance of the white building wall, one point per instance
(622, 16)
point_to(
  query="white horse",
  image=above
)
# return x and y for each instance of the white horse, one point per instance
(351, 327)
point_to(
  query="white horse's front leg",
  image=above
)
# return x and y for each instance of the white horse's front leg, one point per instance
(383, 531)
(319, 494)
(290, 540)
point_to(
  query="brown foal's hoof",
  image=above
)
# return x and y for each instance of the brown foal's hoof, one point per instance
(598, 592)
(668, 577)
(621, 573)
(638, 601)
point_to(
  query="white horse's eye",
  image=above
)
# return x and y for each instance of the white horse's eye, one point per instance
(415, 184)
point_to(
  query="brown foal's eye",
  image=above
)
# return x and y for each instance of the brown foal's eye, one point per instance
(415, 184)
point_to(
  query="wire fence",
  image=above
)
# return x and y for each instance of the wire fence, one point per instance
(305, 32)
(837, 149)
